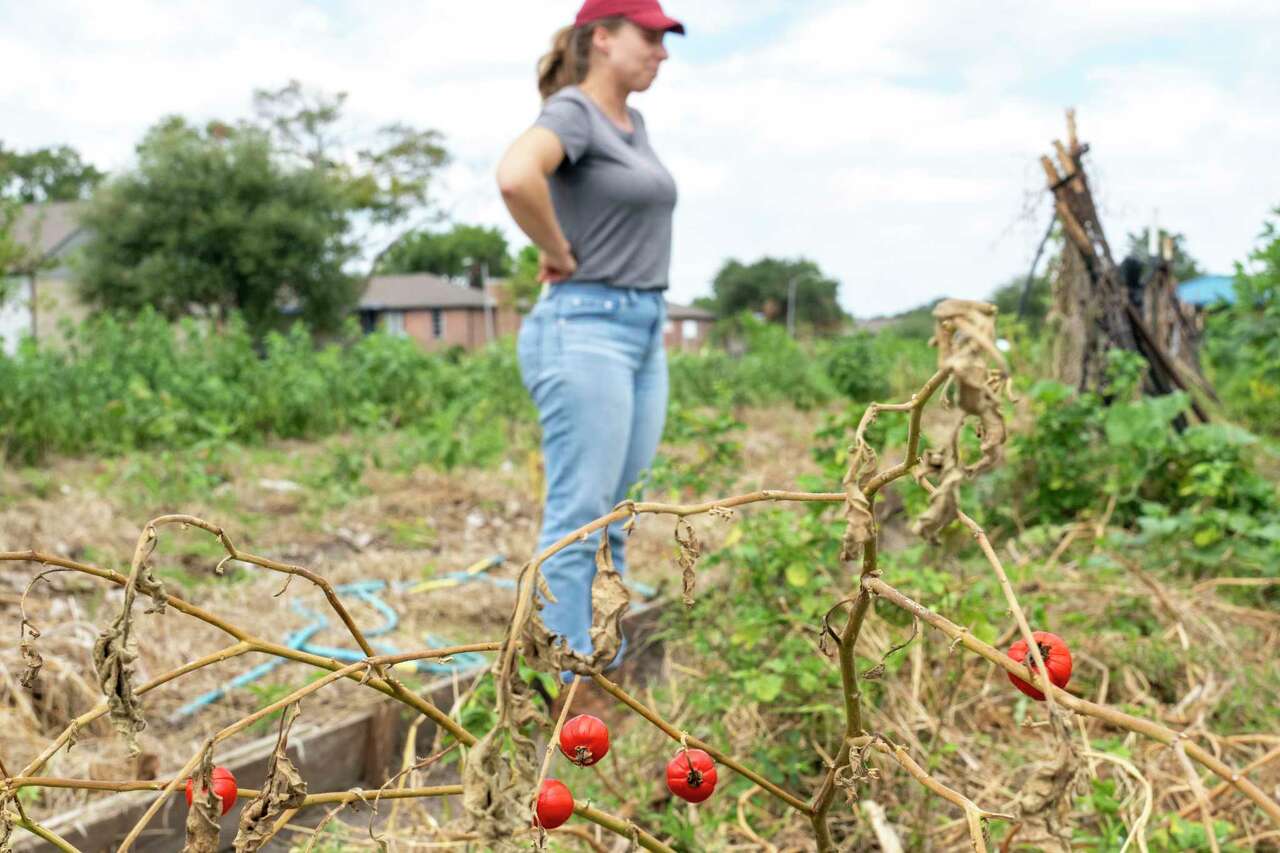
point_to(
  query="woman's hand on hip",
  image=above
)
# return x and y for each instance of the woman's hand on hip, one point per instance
(555, 267)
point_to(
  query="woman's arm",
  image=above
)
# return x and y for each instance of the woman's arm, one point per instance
(522, 178)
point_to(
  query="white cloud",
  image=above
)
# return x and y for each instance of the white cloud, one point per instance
(895, 143)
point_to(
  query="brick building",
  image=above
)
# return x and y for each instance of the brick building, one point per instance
(435, 312)
(687, 327)
(438, 313)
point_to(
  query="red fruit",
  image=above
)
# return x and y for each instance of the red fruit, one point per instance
(691, 775)
(224, 785)
(555, 804)
(584, 740)
(1057, 657)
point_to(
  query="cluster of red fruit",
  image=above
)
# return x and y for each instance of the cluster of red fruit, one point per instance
(691, 775)
(584, 740)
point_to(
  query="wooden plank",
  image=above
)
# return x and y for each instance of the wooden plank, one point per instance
(1051, 172)
(323, 754)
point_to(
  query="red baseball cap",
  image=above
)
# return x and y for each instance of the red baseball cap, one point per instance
(643, 13)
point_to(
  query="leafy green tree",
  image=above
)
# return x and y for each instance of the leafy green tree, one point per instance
(1185, 267)
(389, 180)
(211, 219)
(452, 253)
(55, 173)
(524, 284)
(1008, 299)
(10, 252)
(1242, 343)
(258, 215)
(12, 255)
(762, 287)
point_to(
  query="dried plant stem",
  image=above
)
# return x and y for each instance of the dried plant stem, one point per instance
(147, 542)
(853, 721)
(916, 406)
(1197, 790)
(720, 757)
(825, 795)
(1138, 829)
(1148, 728)
(101, 708)
(414, 701)
(1222, 787)
(974, 814)
(244, 722)
(551, 741)
(525, 584)
(170, 787)
(47, 835)
(625, 828)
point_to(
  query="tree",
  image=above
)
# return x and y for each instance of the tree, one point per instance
(1242, 341)
(389, 181)
(1008, 299)
(211, 218)
(46, 174)
(525, 286)
(11, 254)
(1185, 267)
(452, 253)
(763, 285)
(259, 214)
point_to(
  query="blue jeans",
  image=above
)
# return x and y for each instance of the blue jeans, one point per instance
(592, 358)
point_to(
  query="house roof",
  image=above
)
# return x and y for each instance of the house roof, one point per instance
(424, 290)
(418, 290)
(45, 228)
(687, 312)
(1207, 289)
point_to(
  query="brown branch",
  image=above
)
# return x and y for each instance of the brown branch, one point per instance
(720, 757)
(526, 583)
(418, 703)
(244, 722)
(825, 794)
(330, 594)
(1148, 728)
(46, 835)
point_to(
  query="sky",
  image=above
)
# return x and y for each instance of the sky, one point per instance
(896, 142)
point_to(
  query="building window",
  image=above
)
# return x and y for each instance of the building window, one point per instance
(437, 323)
(393, 323)
(689, 330)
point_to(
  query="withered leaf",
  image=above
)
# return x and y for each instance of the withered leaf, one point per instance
(31, 660)
(549, 652)
(965, 335)
(860, 523)
(203, 834)
(497, 792)
(690, 551)
(283, 789)
(112, 661)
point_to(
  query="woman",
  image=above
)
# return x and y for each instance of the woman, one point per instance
(586, 187)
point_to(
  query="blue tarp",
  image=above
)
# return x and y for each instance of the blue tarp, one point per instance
(1208, 289)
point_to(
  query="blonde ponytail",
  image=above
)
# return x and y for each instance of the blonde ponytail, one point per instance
(569, 59)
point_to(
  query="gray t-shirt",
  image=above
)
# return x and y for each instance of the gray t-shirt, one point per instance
(613, 197)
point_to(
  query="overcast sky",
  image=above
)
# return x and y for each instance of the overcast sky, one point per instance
(895, 143)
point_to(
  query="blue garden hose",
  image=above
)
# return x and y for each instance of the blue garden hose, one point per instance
(368, 592)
